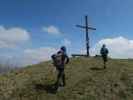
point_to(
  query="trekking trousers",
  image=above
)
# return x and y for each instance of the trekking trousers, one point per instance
(105, 58)
(61, 77)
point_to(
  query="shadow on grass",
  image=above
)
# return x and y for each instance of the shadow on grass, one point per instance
(48, 88)
(96, 68)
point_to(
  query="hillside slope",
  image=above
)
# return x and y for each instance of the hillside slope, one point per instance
(86, 80)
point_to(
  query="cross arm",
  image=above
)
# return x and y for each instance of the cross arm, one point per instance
(85, 27)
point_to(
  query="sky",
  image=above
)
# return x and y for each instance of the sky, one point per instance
(32, 30)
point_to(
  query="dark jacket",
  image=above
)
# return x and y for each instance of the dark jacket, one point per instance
(104, 51)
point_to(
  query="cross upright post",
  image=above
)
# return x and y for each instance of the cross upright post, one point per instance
(87, 28)
(87, 37)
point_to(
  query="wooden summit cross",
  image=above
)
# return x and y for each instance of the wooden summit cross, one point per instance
(87, 28)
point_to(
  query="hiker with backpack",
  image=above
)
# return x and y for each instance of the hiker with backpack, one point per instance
(59, 61)
(104, 53)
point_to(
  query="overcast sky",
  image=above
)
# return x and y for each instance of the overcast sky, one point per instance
(32, 30)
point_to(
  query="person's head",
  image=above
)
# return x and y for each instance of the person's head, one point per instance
(63, 48)
(104, 46)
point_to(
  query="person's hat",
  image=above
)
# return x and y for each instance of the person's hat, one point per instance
(63, 48)
(104, 45)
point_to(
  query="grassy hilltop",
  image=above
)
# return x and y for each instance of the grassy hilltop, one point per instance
(85, 81)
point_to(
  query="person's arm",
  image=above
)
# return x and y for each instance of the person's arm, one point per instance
(107, 51)
(53, 56)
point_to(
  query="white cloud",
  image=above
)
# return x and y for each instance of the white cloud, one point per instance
(66, 42)
(33, 56)
(52, 30)
(119, 47)
(28, 56)
(10, 37)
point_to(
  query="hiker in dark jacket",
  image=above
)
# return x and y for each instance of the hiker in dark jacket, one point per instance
(104, 53)
(60, 59)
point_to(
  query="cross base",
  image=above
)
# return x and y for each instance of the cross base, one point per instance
(79, 55)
